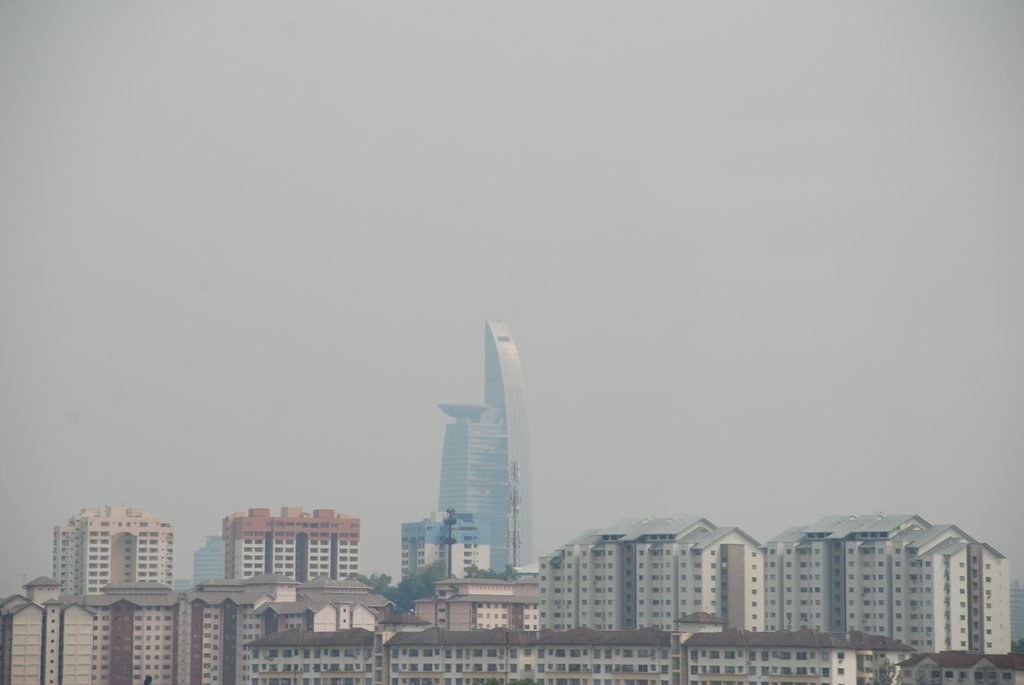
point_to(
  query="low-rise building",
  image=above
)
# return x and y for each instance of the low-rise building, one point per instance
(581, 656)
(805, 656)
(482, 603)
(301, 657)
(962, 668)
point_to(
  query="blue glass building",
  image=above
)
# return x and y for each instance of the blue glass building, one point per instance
(485, 465)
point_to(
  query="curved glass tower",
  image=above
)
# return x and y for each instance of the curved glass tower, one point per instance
(485, 466)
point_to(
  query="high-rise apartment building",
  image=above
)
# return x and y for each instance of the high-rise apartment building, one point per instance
(113, 545)
(485, 465)
(423, 544)
(646, 573)
(208, 560)
(295, 544)
(934, 588)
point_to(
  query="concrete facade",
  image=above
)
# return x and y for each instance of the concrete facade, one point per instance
(647, 572)
(98, 547)
(931, 587)
(478, 603)
(294, 544)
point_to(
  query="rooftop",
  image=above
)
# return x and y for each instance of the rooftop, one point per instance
(297, 637)
(800, 638)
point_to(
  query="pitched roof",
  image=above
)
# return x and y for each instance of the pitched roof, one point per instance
(801, 638)
(713, 536)
(588, 636)
(702, 617)
(883, 643)
(966, 660)
(403, 619)
(440, 636)
(270, 578)
(42, 581)
(497, 599)
(134, 586)
(327, 583)
(297, 637)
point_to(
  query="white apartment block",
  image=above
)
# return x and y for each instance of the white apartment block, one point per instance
(648, 572)
(480, 603)
(739, 657)
(931, 587)
(113, 545)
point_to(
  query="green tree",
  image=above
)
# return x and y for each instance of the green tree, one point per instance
(379, 582)
(508, 574)
(887, 674)
(417, 586)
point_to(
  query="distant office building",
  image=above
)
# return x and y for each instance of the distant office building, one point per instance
(485, 465)
(113, 545)
(295, 544)
(1016, 611)
(934, 588)
(423, 544)
(208, 560)
(646, 573)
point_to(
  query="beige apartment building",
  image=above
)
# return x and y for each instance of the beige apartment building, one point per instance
(98, 547)
(441, 657)
(581, 656)
(43, 640)
(743, 657)
(932, 587)
(647, 572)
(133, 630)
(479, 603)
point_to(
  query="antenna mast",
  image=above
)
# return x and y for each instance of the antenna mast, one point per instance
(513, 539)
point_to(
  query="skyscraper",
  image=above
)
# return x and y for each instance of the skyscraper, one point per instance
(485, 465)
(208, 560)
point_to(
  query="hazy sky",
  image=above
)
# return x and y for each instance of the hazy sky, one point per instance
(764, 262)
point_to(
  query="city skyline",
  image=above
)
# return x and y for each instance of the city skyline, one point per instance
(761, 263)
